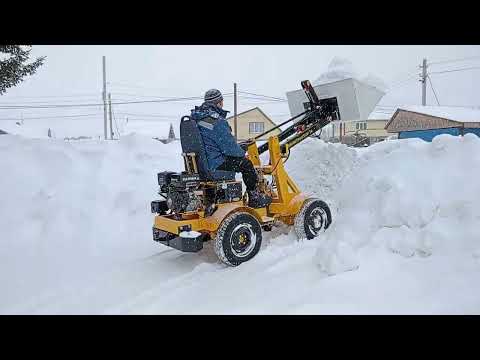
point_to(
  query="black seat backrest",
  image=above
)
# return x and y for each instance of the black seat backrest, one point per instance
(192, 142)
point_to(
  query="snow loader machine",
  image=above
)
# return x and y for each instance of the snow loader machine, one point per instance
(200, 205)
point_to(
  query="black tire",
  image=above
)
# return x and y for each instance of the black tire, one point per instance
(313, 218)
(238, 238)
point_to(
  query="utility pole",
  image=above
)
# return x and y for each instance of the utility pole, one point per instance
(110, 113)
(235, 109)
(104, 99)
(423, 80)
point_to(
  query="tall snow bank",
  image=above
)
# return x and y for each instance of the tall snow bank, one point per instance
(75, 206)
(409, 197)
(319, 167)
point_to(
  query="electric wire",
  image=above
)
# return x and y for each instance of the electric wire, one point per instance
(265, 96)
(454, 70)
(52, 117)
(453, 60)
(115, 120)
(434, 93)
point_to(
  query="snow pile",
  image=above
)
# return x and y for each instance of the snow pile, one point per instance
(319, 167)
(338, 69)
(151, 128)
(91, 127)
(341, 69)
(69, 207)
(75, 233)
(409, 197)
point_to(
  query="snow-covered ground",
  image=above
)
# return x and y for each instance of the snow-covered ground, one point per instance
(75, 233)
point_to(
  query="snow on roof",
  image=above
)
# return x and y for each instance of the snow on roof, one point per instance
(382, 113)
(460, 114)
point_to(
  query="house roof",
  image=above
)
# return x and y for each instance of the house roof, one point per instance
(251, 110)
(457, 114)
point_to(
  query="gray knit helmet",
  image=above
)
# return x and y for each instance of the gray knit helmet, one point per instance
(213, 96)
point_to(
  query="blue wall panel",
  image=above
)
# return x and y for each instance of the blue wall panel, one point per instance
(428, 135)
(475, 131)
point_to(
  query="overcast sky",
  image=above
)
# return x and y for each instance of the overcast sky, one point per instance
(73, 74)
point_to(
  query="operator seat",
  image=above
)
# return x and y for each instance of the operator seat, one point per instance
(192, 142)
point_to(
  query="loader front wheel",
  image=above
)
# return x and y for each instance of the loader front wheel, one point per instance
(313, 218)
(238, 238)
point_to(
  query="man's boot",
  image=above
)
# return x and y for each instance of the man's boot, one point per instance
(257, 199)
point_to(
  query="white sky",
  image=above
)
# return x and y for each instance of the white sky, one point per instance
(135, 72)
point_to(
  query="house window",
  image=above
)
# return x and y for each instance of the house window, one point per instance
(361, 126)
(256, 127)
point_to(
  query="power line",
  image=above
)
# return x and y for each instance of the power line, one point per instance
(119, 84)
(149, 115)
(265, 96)
(453, 60)
(157, 97)
(115, 120)
(447, 71)
(434, 93)
(53, 96)
(261, 99)
(100, 104)
(52, 117)
(43, 102)
(402, 83)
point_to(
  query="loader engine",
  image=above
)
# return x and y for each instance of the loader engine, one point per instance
(181, 191)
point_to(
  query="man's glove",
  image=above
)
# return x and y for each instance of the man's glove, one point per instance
(245, 144)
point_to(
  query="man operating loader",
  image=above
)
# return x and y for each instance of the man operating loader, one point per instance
(221, 148)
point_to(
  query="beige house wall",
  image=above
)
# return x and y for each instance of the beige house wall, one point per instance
(243, 120)
(375, 128)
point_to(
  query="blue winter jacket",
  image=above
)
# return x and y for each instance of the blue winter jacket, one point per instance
(216, 134)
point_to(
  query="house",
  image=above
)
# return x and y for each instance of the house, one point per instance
(426, 122)
(362, 131)
(251, 123)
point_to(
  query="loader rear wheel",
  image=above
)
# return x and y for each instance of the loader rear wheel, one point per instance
(238, 238)
(313, 218)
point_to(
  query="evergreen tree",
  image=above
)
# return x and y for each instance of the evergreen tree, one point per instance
(171, 133)
(14, 68)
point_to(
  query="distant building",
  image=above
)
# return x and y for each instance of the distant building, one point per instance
(251, 123)
(157, 130)
(171, 136)
(360, 132)
(363, 131)
(426, 122)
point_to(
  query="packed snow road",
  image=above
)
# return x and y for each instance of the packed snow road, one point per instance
(75, 233)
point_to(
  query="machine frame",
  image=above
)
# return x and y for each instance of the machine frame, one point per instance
(188, 230)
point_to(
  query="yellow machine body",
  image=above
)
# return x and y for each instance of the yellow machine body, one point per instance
(287, 199)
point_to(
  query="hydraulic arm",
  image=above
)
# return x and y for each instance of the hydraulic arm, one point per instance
(319, 114)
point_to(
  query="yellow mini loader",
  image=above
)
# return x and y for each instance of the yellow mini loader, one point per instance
(200, 205)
